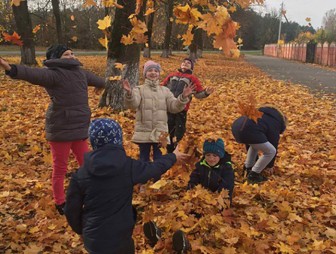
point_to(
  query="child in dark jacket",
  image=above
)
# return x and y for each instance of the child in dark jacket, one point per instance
(176, 81)
(263, 136)
(214, 171)
(99, 197)
(68, 115)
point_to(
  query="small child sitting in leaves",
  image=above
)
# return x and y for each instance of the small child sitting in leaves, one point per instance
(215, 173)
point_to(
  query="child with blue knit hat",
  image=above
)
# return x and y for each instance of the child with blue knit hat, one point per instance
(214, 171)
(99, 197)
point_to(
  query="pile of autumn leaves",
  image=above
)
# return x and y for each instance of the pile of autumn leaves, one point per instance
(294, 212)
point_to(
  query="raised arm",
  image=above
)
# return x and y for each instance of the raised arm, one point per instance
(94, 80)
(132, 96)
(145, 171)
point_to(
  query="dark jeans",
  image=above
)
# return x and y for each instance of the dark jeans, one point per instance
(177, 128)
(145, 149)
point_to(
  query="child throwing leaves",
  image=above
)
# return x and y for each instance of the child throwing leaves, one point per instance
(68, 115)
(176, 82)
(262, 136)
(99, 198)
(215, 173)
(152, 102)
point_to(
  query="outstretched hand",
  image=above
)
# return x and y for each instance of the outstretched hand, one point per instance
(4, 65)
(180, 157)
(127, 86)
(209, 90)
(188, 90)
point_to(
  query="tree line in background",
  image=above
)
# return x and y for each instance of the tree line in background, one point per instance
(72, 23)
(123, 27)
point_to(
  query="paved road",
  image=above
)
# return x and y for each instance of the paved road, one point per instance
(317, 78)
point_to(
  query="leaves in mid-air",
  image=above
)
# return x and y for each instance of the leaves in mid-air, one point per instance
(14, 38)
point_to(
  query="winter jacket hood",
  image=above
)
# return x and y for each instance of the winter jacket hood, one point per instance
(101, 165)
(62, 63)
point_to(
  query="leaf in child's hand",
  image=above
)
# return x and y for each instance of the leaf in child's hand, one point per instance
(163, 141)
(157, 185)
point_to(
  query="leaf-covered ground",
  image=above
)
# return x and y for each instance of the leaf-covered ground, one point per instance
(294, 212)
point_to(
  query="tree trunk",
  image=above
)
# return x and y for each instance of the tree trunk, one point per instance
(24, 28)
(56, 11)
(169, 26)
(150, 21)
(198, 37)
(113, 95)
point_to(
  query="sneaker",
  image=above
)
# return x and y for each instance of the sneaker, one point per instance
(60, 208)
(152, 232)
(254, 177)
(246, 171)
(180, 242)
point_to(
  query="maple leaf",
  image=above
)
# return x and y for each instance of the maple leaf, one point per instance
(188, 36)
(112, 78)
(105, 23)
(185, 14)
(139, 27)
(89, 3)
(103, 41)
(127, 39)
(149, 11)
(36, 29)
(14, 38)
(16, 2)
(163, 139)
(119, 66)
(74, 38)
(138, 6)
(248, 108)
(232, 9)
(308, 19)
(72, 17)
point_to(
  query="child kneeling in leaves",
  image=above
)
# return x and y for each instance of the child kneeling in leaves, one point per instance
(99, 198)
(214, 172)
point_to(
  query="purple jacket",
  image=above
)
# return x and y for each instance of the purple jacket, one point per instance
(68, 115)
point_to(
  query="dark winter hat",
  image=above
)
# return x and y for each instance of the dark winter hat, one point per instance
(214, 146)
(151, 64)
(191, 62)
(104, 131)
(56, 51)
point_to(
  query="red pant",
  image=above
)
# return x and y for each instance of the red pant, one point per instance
(60, 152)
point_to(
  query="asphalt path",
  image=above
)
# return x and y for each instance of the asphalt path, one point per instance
(317, 78)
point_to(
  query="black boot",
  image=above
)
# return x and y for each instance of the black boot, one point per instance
(60, 208)
(246, 171)
(152, 232)
(180, 242)
(254, 177)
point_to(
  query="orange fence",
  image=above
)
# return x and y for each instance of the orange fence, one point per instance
(323, 54)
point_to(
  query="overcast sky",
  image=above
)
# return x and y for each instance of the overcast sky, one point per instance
(299, 10)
